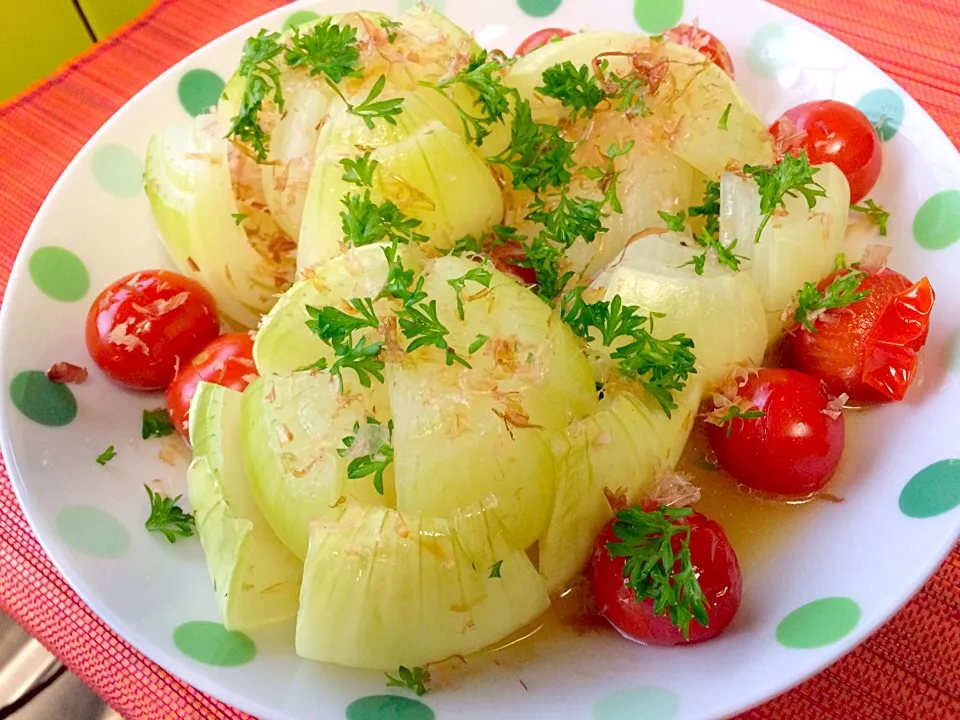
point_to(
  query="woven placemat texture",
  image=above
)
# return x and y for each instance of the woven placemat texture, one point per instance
(909, 670)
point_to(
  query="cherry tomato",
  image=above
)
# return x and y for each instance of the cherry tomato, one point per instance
(539, 39)
(831, 131)
(140, 328)
(717, 571)
(706, 43)
(226, 361)
(505, 257)
(793, 448)
(868, 350)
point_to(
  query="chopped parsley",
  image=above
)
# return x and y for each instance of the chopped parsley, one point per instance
(479, 275)
(359, 171)
(390, 26)
(167, 517)
(365, 222)
(156, 423)
(577, 89)
(495, 569)
(336, 327)
(655, 568)
(375, 462)
(106, 456)
(723, 253)
(478, 342)
(842, 291)
(238, 218)
(875, 214)
(662, 366)
(725, 117)
(791, 177)
(675, 223)
(733, 412)
(414, 679)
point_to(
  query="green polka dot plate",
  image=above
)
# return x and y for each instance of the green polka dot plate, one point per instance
(836, 576)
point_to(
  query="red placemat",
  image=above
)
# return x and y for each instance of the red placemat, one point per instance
(909, 670)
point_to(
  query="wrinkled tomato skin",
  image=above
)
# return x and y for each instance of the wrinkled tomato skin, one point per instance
(227, 361)
(539, 39)
(794, 449)
(870, 349)
(706, 43)
(834, 132)
(505, 258)
(143, 326)
(718, 572)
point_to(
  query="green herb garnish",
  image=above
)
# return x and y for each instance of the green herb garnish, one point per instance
(375, 462)
(646, 541)
(167, 517)
(364, 222)
(495, 569)
(791, 177)
(414, 679)
(479, 275)
(238, 218)
(359, 171)
(725, 117)
(841, 292)
(106, 456)
(156, 423)
(662, 366)
(733, 412)
(258, 67)
(478, 342)
(875, 214)
(576, 88)
(676, 223)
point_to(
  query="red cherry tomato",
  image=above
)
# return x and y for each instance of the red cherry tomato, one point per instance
(868, 350)
(706, 43)
(794, 448)
(226, 361)
(831, 131)
(717, 571)
(143, 326)
(506, 258)
(539, 39)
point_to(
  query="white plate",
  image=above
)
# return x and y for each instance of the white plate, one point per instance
(867, 551)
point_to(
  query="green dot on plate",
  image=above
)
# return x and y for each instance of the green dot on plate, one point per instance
(655, 16)
(937, 224)
(59, 273)
(211, 643)
(539, 8)
(818, 623)
(199, 90)
(388, 707)
(642, 703)
(884, 108)
(41, 400)
(299, 18)
(765, 51)
(118, 170)
(932, 491)
(92, 531)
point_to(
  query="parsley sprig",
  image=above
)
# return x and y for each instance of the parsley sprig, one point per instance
(482, 75)
(336, 327)
(375, 462)
(365, 222)
(709, 209)
(657, 570)
(479, 275)
(723, 253)
(538, 157)
(842, 291)
(791, 177)
(167, 517)
(731, 413)
(662, 366)
(576, 88)
(875, 214)
(608, 175)
(359, 170)
(156, 423)
(325, 49)
(259, 68)
(106, 456)
(414, 679)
